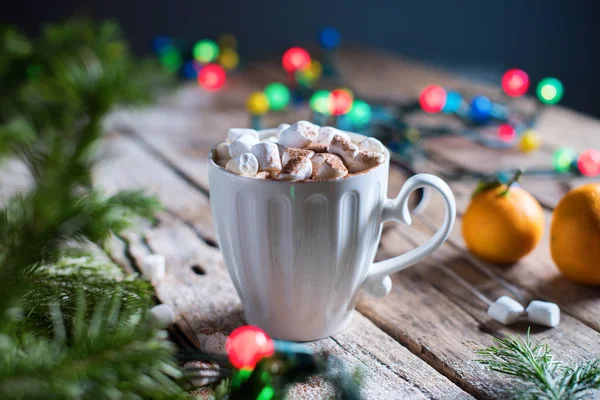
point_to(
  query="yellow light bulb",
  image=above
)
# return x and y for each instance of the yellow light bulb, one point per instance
(530, 141)
(227, 40)
(229, 58)
(257, 103)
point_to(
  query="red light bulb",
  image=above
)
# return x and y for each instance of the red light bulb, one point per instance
(506, 133)
(432, 99)
(247, 345)
(295, 58)
(341, 101)
(589, 162)
(212, 77)
(515, 82)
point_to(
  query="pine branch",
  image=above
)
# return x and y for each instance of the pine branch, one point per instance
(110, 355)
(534, 365)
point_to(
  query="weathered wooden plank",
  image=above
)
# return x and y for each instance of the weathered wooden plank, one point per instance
(198, 286)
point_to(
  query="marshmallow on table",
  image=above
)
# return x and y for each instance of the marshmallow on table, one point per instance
(299, 135)
(365, 160)
(328, 166)
(222, 152)
(296, 169)
(543, 313)
(245, 164)
(235, 133)
(506, 310)
(326, 134)
(290, 153)
(242, 144)
(344, 148)
(161, 316)
(267, 154)
(372, 145)
(154, 266)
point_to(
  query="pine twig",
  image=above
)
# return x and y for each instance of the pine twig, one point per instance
(534, 365)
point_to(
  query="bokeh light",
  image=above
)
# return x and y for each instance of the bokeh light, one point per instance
(206, 51)
(342, 100)
(550, 90)
(189, 70)
(453, 102)
(530, 141)
(212, 77)
(360, 113)
(278, 95)
(506, 133)
(309, 75)
(321, 102)
(295, 58)
(481, 109)
(247, 345)
(432, 99)
(588, 162)
(562, 159)
(170, 58)
(229, 58)
(160, 43)
(515, 82)
(257, 103)
(329, 38)
(227, 40)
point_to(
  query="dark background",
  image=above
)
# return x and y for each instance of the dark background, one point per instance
(476, 38)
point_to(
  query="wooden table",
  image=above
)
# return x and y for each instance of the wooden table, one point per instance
(420, 340)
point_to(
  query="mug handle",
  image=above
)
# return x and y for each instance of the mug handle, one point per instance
(378, 282)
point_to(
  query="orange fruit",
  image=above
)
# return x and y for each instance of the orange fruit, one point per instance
(502, 224)
(575, 235)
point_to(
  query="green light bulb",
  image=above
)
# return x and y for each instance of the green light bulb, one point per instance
(206, 51)
(550, 90)
(171, 59)
(563, 158)
(360, 113)
(278, 95)
(321, 102)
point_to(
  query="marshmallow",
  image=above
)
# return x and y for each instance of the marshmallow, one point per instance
(372, 145)
(281, 128)
(365, 160)
(328, 166)
(272, 139)
(296, 169)
(154, 266)
(161, 316)
(543, 313)
(290, 153)
(235, 133)
(262, 175)
(506, 310)
(326, 134)
(344, 148)
(317, 148)
(267, 154)
(222, 152)
(245, 164)
(242, 144)
(299, 135)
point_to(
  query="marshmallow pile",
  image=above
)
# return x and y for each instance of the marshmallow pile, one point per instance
(302, 151)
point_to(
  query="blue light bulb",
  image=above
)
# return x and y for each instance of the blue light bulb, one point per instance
(453, 102)
(189, 70)
(160, 43)
(481, 108)
(329, 38)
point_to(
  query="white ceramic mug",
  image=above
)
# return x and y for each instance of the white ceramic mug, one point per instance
(299, 252)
